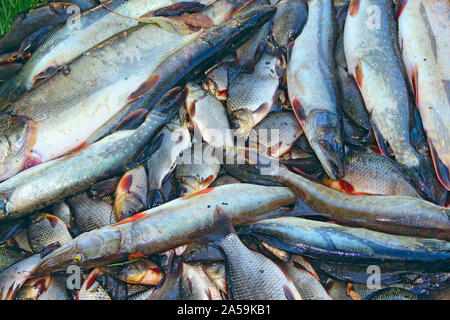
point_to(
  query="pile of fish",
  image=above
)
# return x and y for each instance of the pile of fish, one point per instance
(226, 149)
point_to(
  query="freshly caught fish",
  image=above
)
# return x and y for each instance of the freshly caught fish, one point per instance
(251, 96)
(62, 211)
(423, 30)
(393, 294)
(90, 214)
(288, 22)
(52, 181)
(8, 69)
(224, 180)
(167, 226)
(169, 289)
(221, 10)
(68, 41)
(216, 82)
(312, 86)
(10, 255)
(392, 214)
(307, 284)
(248, 54)
(144, 272)
(250, 275)
(195, 285)
(131, 193)
(216, 273)
(374, 61)
(371, 173)
(338, 244)
(46, 230)
(208, 116)
(195, 176)
(276, 134)
(111, 76)
(144, 295)
(12, 278)
(91, 288)
(33, 19)
(50, 287)
(174, 140)
(201, 54)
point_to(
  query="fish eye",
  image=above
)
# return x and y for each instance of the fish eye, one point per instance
(76, 258)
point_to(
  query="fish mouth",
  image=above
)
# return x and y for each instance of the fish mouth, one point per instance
(56, 260)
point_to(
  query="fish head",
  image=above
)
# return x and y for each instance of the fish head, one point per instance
(326, 140)
(127, 205)
(242, 122)
(87, 250)
(142, 271)
(17, 137)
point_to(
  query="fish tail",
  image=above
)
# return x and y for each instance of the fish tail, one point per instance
(221, 228)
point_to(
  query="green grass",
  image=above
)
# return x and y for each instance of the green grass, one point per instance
(10, 8)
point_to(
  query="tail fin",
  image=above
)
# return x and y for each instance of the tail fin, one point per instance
(220, 228)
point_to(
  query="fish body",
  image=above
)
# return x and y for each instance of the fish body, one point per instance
(373, 57)
(423, 31)
(312, 86)
(46, 230)
(251, 96)
(209, 116)
(144, 272)
(90, 214)
(131, 193)
(110, 76)
(195, 285)
(68, 41)
(337, 244)
(52, 181)
(370, 172)
(169, 288)
(50, 287)
(91, 288)
(250, 275)
(167, 226)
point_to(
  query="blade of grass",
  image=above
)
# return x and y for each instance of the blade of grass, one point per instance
(11, 8)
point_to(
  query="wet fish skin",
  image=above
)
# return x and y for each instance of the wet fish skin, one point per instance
(90, 214)
(247, 105)
(309, 286)
(91, 289)
(369, 172)
(288, 130)
(201, 54)
(10, 255)
(195, 284)
(62, 211)
(24, 193)
(143, 271)
(422, 26)
(12, 278)
(289, 21)
(373, 58)
(250, 275)
(105, 92)
(217, 274)
(67, 42)
(400, 215)
(46, 230)
(50, 287)
(141, 233)
(174, 140)
(331, 242)
(392, 294)
(169, 288)
(131, 193)
(33, 19)
(209, 116)
(312, 86)
(224, 180)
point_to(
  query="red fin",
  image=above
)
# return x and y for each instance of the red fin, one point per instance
(208, 180)
(414, 82)
(131, 219)
(52, 219)
(223, 94)
(91, 279)
(156, 270)
(305, 174)
(136, 255)
(347, 187)
(125, 183)
(133, 120)
(359, 74)
(144, 88)
(32, 159)
(354, 7)
(191, 109)
(299, 111)
(192, 195)
(400, 7)
(288, 293)
(376, 150)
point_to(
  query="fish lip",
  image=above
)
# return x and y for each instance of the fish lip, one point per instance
(331, 158)
(54, 260)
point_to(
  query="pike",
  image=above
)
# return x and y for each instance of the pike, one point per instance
(312, 86)
(167, 226)
(68, 41)
(423, 31)
(373, 59)
(55, 180)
